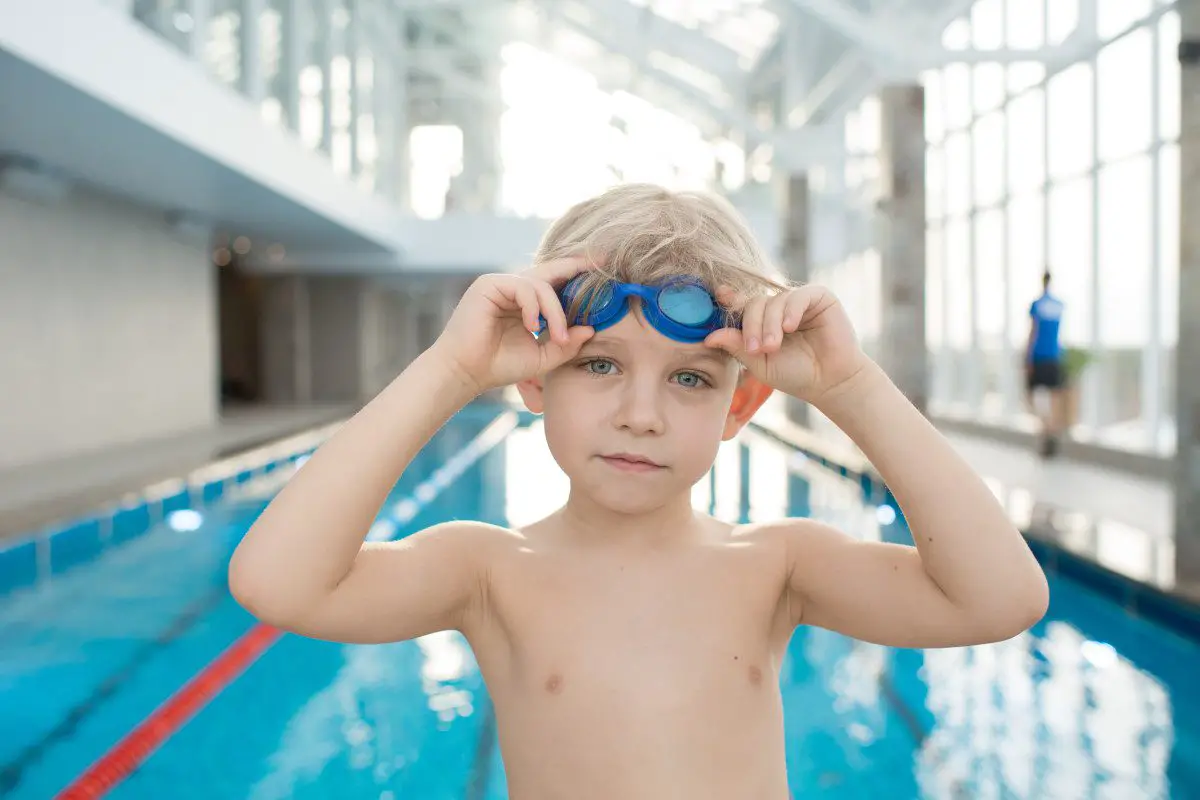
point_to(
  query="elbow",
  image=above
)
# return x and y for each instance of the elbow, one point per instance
(253, 592)
(1020, 611)
(243, 585)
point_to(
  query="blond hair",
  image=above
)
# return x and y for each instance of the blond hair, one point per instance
(642, 233)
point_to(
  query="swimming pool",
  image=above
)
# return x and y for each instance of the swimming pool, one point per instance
(1092, 703)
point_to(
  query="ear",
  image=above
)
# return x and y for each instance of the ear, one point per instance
(531, 393)
(748, 398)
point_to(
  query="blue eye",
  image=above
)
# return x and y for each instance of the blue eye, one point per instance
(691, 380)
(591, 366)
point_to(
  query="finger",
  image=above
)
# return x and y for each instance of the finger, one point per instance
(558, 271)
(552, 310)
(807, 303)
(521, 295)
(772, 323)
(728, 339)
(752, 324)
(555, 354)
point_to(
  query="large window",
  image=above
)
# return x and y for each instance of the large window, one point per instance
(1070, 250)
(988, 142)
(1026, 262)
(1070, 120)
(1026, 120)
(1068, 168)
(1124, 119)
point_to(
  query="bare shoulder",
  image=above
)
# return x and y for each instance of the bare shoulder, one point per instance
(798, 543)
(479, 541)
(788, 534)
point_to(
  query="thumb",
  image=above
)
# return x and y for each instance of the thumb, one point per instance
(554, 353)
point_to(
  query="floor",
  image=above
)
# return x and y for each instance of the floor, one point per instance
(40, 494)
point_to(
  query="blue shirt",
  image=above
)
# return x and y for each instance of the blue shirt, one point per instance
(1047, 312)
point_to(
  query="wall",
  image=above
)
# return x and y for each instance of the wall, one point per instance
(108, 328)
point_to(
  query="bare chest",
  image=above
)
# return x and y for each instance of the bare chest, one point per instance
(659, 633)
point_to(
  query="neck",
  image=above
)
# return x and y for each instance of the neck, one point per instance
(591, 522)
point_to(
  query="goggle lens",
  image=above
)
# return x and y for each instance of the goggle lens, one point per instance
(687, 304)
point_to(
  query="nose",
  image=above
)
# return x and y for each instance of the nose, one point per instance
(640, 409)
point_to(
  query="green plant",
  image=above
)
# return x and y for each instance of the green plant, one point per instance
(1074, 361)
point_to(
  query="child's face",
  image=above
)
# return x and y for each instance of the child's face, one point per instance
(633, 391)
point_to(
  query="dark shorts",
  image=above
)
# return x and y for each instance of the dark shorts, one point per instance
(1045, 373)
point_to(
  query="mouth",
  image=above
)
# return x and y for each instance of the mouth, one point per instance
(630, 462)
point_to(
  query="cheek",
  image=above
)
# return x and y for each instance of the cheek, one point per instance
(569, 415)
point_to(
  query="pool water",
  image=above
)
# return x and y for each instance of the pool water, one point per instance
(1092, 703)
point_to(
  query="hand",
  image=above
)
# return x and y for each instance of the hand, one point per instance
(800, 341)
(490, 336)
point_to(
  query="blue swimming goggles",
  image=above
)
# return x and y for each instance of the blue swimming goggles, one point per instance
(681, 309)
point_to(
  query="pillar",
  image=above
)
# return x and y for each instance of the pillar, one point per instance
(286, 342)
(477, 187)
(902, 349)
(197, 38)
(294, 58)
(795, 258)
(1187, 381)
(250, 72)
(325, 52)
(353, 47)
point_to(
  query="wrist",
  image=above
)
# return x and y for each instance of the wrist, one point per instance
(854, 393)
(446, 377)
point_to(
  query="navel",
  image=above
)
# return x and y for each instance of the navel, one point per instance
(554, 684)
(755, 676)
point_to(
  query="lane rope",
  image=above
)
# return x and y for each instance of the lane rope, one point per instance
(132, 750)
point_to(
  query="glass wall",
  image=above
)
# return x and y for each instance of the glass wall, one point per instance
(323, 72)
(1074, 171)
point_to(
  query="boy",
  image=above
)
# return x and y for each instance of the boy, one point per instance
(631, 644)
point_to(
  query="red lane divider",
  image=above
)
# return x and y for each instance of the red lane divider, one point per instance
(137, 745)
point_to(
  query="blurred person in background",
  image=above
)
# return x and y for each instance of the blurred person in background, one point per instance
(1044, 368)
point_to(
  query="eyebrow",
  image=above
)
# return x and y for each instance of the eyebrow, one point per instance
(715, 358)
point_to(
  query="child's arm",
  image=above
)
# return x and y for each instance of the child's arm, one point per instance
(971, 577)
(303, 566)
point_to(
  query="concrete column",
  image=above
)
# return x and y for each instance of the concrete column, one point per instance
(336, 339)
(251, 80)
(795, 258)
(902, 348)
(201, 12)
(353, 28)
(477, 187)
(1187, 379)
(294, 58)
(286, 343)
(325, 51)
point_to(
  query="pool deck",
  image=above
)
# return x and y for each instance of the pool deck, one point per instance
(37, 495)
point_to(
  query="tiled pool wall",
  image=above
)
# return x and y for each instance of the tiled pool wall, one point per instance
(39, 556)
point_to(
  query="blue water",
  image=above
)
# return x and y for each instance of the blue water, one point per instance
(1092, 703)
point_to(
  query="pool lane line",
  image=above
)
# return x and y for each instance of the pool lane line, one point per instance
(12, 772)
(136, 746)
(903, 710)
(115, 765)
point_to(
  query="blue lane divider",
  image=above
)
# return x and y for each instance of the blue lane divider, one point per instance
(392, 519)
(33, 559)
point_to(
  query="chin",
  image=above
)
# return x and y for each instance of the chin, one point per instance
(629, 493)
